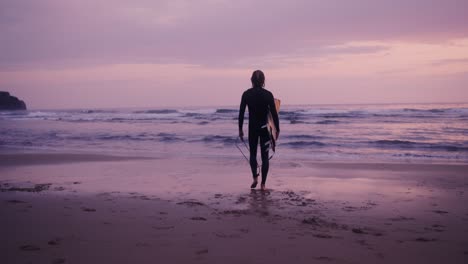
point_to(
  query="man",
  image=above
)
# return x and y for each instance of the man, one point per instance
(259, 101)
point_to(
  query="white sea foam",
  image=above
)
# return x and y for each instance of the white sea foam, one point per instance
(425, 133)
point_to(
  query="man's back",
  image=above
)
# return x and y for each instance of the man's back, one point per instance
(259, 101)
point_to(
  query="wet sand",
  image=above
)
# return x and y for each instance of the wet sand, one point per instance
(57, 158)
(62, 208)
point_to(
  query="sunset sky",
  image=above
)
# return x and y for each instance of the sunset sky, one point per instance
(150, 53)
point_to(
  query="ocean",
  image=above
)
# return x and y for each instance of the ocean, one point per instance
(413, 133)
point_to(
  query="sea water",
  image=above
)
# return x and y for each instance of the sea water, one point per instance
(416, 133)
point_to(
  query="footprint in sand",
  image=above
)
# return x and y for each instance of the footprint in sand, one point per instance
(37, 188)
(163, 227)
(224, 235)
(368, 231)
(29, 248)
(368, 205)
(440, 212)
(58, 261)
(54, 242)
(235, 212)
(87, 209)
(198, 218)
(322, 236)
(424, 239)
(142, 244)
(358, 231)
(365, 244)
(191, 203)
(241, 200)
(15, 201)
(244, 230)
(401, 218)
(203, 251)
(435, 228)
(350, 208)
(316, 222)
(324, 258)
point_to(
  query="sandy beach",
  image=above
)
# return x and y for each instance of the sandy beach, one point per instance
(77, 208)
(130, 132)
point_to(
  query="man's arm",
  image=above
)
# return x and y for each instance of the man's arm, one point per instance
(243, 104)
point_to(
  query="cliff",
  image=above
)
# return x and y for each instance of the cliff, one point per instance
(8, 102)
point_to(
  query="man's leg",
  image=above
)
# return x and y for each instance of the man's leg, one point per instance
(253, 142)
(264, 147)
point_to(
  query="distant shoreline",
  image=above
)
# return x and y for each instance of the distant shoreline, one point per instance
(51, 158)
(284, 104)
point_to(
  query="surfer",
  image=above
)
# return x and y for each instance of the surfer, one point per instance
(260, 102)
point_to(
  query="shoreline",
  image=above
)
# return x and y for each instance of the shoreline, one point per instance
(48, 158)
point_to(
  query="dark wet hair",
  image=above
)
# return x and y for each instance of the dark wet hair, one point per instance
(258, 79)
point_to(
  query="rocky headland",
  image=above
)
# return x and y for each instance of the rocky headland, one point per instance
(9, 102)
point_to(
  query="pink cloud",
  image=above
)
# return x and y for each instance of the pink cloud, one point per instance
(113, 53)
(53, 33)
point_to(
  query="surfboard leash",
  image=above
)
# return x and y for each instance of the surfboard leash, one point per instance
(243, 154)
(259, 165)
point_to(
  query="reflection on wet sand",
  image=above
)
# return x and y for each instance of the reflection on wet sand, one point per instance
(259, 201)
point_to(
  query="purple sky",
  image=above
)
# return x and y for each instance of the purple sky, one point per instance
(113, 53)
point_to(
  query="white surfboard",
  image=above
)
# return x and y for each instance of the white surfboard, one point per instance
(272, 129)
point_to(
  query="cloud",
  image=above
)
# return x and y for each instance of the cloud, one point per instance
(212, 33)
(445, 62)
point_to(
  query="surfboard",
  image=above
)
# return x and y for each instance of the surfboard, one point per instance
(271, 125)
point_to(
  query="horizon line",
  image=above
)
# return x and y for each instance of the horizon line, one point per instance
(231, 106)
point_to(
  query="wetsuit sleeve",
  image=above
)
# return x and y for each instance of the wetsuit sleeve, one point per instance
(243, 104)
(274, 113)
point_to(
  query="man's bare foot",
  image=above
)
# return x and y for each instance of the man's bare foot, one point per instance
(262, 186)
(254, 184)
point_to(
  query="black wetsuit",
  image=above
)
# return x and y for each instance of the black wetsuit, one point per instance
(259, 102)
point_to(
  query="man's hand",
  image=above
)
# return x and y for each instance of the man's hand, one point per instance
(241, 134)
